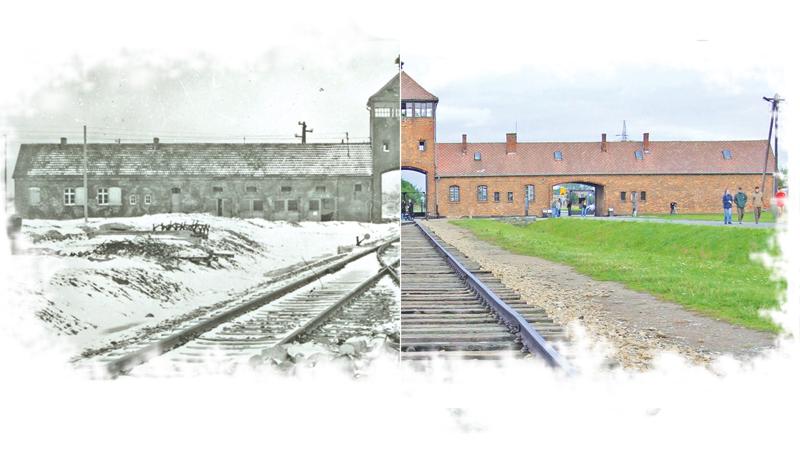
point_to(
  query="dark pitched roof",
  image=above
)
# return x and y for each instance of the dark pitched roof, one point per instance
(389, 92)
(585, 158)
(411, 90)
(195, 159)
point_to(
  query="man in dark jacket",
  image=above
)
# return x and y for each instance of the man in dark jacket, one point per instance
(727, 204)
(758, 202)
(741, 202)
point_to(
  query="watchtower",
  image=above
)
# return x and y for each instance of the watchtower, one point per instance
(384, 132)
(418, 135)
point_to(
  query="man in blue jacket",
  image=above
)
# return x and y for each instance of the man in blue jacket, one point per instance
(727, 204)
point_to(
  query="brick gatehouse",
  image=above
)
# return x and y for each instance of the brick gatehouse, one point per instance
(512, 178)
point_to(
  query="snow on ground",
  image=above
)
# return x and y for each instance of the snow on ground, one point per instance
(98, 288)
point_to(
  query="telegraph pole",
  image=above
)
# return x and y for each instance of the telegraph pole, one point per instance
(305, 130)
(347, 137)
(5, 173)
(85, 180)
(773, 125)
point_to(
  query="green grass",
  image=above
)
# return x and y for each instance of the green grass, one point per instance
(707, 269)
(766, 216)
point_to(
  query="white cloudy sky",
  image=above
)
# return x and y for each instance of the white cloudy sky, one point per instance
(685, 70)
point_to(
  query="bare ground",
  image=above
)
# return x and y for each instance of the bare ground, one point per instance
(637, 324)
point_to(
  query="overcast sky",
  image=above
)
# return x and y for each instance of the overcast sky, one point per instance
(678, 71)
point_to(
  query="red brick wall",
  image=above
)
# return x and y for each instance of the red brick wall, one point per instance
(693, 193)
(412, 130)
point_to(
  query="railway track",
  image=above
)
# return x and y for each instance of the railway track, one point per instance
(452, 308)
(343, 298)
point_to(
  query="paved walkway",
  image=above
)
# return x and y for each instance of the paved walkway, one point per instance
(714, 223)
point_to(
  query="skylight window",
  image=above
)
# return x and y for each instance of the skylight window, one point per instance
(558, 156)
(726, 154)
(477, 156)
(639, 155)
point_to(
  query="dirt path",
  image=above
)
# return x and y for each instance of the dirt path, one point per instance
(636, 323)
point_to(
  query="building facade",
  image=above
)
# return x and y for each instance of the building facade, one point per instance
(511, 178)
(317, 182)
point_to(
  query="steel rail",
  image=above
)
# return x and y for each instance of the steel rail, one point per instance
(180, 337)
(530, 338)
(331, 310)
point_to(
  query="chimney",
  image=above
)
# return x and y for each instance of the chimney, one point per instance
(464, 144)
(646, 142)
(63, 141)
(604, 144)
(155, 140)
(511, 143)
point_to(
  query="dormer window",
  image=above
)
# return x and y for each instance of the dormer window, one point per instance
(726, 154)
(558, 156)
(477, 156)
(639, 155)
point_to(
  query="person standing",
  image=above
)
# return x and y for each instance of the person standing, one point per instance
(741, 202)
(758, 202)
(673, 208)
(582, 206)
(569, 206)
(727, 204)
(634, 204)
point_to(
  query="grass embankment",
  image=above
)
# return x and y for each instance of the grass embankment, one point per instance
(766, 217)
(707, 269)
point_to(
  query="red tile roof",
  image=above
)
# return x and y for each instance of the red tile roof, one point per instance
(585, 158)
(196, 159)
(411, 90)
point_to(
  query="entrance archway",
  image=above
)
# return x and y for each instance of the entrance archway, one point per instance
(390, 195)
(570, 195)
(414, 191)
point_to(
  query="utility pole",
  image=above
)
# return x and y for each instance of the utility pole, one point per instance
(624, 136)
(5, 173)
(773, 125)
(305, 130)
(347, 138)
(85, 180)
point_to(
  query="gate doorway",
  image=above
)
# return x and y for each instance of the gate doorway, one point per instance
(570, 197)
(175, 200)
(414, 192)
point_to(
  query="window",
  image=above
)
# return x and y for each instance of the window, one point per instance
(622, 196)
(258, 205)
(251, 189)
(357, 187)
(386, 147)
(483, 193)
(313, 205)
(132, 199)
(639, 155)
(217, 189)
(530, 193)
(421, 145)
(115, 196)
(34, 196)
(416, 109)
(176, 190)
(510, 197)
(286, 189)
(455, 194)
(320, 189)
(102, 196)
(291, 205)
(497, 197)
(726, 154)
(383, 112)
(477, 156)
(643, 196)
(69, 196)
(327, 203)
(148, 199)
(558, 156)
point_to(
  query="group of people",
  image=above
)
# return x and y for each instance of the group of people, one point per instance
(407, 210)
(556, 207)
(740, 200)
